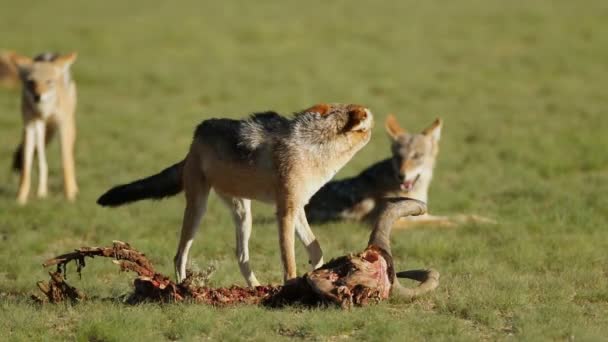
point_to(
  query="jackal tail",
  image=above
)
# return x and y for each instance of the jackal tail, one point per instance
(166, 183)
(17, 166)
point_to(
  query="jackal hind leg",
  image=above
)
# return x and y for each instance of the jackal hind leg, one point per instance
(240, 209)
(197, 193)
(424, 220)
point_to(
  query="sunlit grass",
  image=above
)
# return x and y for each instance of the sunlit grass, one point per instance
(521, 87)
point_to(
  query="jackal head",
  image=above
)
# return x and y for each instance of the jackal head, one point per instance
(42, 77)
(413, 154)
(323, 122)
(326, 137)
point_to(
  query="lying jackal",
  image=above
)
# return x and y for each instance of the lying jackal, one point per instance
(266, 157)
(407, 173)
(48, 103)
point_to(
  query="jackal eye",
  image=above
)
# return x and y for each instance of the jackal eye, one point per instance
(417, 155)
(49, 82)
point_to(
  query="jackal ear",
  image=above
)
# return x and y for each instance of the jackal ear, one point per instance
(23, 63)
(65, 61)
(358, 119)
(321, 108)
(392, 127)
(434, 130)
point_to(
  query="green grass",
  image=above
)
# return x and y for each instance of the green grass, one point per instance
(521, 87)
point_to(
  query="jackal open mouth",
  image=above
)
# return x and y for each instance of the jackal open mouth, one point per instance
(408, 185)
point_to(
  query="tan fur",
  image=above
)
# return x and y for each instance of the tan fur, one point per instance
(392, 127)
(267, 157)
(288, 168)
(9, 75)
(408, 173)
(321, 108)
(48, 102)
(428, 149)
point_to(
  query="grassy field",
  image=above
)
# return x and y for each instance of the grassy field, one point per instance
(521, 87)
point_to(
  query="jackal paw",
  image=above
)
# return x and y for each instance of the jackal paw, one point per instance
(22, 199)
(71, 195)
(317, 264)
(253, 282)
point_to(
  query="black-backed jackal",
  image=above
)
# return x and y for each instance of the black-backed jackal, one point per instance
(9, 75)
(407, 173)
(48, 104)
(268, 158)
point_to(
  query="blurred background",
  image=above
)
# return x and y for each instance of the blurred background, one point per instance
(521, 86)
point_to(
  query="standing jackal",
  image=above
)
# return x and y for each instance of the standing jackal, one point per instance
(407, 173)
(266, 157)
(9, 75)
(48, 103)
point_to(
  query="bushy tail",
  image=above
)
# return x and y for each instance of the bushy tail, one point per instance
(166, 183)
(17, 166)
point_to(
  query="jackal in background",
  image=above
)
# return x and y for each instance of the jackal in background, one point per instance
(48, 104)
(267, 157)
(407, 173)
(9, 75)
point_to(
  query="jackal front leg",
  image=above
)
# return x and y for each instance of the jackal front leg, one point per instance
(310, 242)
(68, 138)
(43, 168)
(286, 217)
(29, 141)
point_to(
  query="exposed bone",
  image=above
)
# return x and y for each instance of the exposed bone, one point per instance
(393, 209)
(57, 290)
(352, 280)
